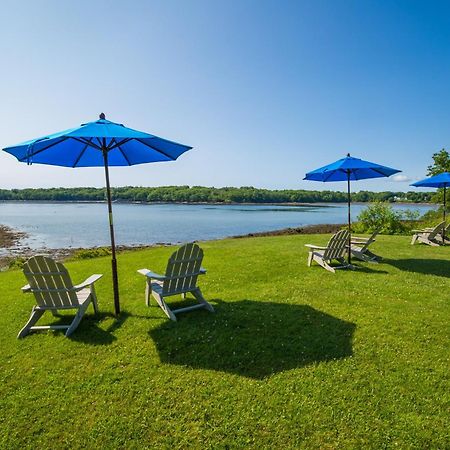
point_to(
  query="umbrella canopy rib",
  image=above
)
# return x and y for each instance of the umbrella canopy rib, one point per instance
(117, 144)
(80, 155)
(124, 155)
(31, 154)
(155, 149)
(86, 141)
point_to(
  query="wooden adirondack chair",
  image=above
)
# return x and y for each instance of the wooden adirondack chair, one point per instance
(429, 236)
(439, 236)
(360, 248)
(183, 269)
(335, 250)
(50, 283)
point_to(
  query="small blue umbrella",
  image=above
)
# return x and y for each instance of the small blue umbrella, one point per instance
(349, 169)
(100, 143)
(441, 180)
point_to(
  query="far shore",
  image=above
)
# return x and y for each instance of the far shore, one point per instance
(304, 204)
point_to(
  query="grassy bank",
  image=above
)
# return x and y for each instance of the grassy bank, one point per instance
(294, 356)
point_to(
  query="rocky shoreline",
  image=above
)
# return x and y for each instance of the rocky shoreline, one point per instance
(10, 238)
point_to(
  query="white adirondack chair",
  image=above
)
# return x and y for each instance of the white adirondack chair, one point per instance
(429, 236)
(360, 248)
(50, 283)
(335, 250)
(183, 269)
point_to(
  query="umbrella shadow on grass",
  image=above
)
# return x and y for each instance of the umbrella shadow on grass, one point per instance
(254, 339)
(438, 267)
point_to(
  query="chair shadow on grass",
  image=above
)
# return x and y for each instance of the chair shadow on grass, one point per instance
(88, 330)
(254, 339)
(372, 268)
(438, 267)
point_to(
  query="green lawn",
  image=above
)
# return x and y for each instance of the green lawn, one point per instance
(295, 357)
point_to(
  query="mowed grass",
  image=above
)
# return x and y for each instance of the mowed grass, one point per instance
(294, 357)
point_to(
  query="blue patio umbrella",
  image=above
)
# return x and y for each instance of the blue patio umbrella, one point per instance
(100, 143)
(349, 169)
(441, 180)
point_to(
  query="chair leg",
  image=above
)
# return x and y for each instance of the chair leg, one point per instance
(163, 305)
(94, 299)
(324, 264)
(197, 293)
(76, 321)
(310, 258)
(414, 239)
(36, 314)
(148, 291)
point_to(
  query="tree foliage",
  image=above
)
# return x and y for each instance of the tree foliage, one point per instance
(201, 194)
(381, 216)
(441, 163)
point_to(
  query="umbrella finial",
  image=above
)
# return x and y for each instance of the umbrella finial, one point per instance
(102, 116)
(348, 155)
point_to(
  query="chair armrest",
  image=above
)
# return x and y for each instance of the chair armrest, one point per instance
(149, 274)
(318, 247)
(26, 288)
(88, 282)
(202, 271)
(361, 241)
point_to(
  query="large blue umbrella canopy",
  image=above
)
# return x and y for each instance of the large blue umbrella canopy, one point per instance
(349, 169)
(83, 147)
(100, 143)
(441, 180)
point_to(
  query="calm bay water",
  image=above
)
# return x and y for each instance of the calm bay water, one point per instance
(62, 225)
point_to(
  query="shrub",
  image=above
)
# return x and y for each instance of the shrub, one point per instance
(383, 217)
(89, 253)
(16, 263)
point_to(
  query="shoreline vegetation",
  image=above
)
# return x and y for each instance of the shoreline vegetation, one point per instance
(211, 195)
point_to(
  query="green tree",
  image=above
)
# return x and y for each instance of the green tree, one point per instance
(441, 163)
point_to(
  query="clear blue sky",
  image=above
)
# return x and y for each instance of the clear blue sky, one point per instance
(264, 90)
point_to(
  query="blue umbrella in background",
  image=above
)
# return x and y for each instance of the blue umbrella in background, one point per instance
(441, 180)
(100, 143)
(349, 169)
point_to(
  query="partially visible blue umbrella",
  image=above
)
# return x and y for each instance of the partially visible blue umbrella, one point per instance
(441, 180)
(349, 169)
(99, 143)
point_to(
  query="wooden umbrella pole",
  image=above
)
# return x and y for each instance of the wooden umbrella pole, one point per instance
(349, 219)
(111, 231)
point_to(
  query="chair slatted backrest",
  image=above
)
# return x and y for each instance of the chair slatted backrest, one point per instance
(370, 240)
(50, 282)
(183, 269)
(438, 229)
(337, 246)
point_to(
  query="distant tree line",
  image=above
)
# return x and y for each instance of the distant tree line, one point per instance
(201, 194)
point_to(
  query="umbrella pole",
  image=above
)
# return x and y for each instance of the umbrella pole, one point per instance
(445, 207)
(349, 220)
(111, 231)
